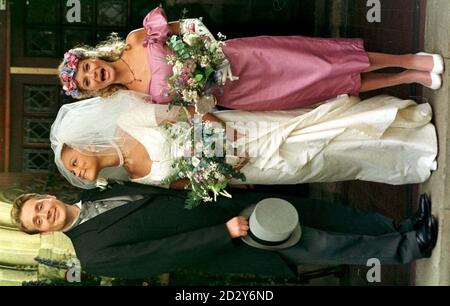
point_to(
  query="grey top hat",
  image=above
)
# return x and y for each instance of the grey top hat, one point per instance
(273, 224)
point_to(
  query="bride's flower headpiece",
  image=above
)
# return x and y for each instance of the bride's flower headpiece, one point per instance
(68, 71)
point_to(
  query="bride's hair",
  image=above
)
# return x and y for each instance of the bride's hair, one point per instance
(109, 50)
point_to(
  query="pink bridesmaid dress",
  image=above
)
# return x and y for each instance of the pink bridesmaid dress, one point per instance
(275, 72)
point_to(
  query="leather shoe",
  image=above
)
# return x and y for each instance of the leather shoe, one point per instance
(426, 236)
(422, 213)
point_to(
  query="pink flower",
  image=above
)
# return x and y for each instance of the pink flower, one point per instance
(198, 177)
(72, 84)
(190, 27)
(186, 77)
(68, 72)
(71, 60)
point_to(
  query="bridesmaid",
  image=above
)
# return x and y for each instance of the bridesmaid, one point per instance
(274, 72)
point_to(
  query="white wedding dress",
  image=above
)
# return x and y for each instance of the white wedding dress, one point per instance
(383, 139)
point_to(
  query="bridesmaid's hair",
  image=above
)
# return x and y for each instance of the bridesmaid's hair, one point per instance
(109, 50)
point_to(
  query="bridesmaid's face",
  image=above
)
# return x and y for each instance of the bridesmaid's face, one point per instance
(85, 165)
(94, 74)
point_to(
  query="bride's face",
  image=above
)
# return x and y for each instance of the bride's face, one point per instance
(94, 74)
(84, 165)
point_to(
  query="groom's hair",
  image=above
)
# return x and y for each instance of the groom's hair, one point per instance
(16, 211)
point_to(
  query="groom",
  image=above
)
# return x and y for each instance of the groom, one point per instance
(137, 231)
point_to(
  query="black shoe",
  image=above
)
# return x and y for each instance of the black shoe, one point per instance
(422, 213)
(426, 236)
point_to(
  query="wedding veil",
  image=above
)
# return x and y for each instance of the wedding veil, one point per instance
(90, 125)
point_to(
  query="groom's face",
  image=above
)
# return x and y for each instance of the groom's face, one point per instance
(47, 214)
(82, 164)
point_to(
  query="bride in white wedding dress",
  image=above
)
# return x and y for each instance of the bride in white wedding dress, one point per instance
(383, 139)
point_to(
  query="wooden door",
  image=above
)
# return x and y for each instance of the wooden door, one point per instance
(41, 31)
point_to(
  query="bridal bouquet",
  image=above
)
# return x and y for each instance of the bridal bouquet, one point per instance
(195, 63)
(203, 160)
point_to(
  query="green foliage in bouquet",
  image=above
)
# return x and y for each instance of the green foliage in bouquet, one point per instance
(196, 61)
(203, 161)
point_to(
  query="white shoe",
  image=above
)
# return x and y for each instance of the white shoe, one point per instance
(438, 62)
(433, 166)
(436, 81)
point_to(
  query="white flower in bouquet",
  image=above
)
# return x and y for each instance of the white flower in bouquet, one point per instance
(190, 95)
(178, 130)
(191, 38)
(221, 36)
(195, 161)
(205, 61)
(191, 82)
(213, 167)
(207, 199)
(220, 177)
(177, 68)
(171, 59)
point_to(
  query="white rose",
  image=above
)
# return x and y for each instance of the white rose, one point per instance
(177, 68)
(189, 95)
(195, 161)
(204, 61)
(220, 177)
(190, 38)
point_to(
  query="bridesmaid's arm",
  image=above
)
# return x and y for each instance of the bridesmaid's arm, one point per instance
(174, 28)
(136, 36)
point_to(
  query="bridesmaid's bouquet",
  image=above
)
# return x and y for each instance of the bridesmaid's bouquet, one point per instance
(196, 65)
(203, 160)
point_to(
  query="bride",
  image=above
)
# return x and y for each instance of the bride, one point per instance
(383, 139)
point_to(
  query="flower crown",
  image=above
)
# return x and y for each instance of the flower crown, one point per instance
(68, 71)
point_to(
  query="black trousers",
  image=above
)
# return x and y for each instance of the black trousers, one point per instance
(337, 234)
